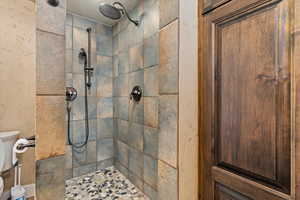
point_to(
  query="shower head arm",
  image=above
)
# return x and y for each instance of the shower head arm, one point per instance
(124, 11)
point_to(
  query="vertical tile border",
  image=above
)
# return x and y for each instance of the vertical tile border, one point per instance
(50, 108)
(168, 73)
(50, 182)
(167, 182)
(188, 98)
(51, 134)
(50, 127)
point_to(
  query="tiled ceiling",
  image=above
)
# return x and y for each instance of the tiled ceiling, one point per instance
(89, 8)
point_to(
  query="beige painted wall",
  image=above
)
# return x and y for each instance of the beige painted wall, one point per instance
(188, 100)
(18, 75)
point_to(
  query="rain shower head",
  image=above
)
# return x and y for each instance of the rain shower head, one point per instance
(115, 11)
(110, 11)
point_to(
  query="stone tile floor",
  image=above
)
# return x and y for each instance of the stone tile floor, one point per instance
(105, 184)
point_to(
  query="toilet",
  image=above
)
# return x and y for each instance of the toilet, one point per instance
(7, 141)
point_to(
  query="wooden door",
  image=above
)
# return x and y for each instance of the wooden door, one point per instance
(248, 91)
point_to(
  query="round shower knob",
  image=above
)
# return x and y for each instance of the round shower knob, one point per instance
(71, 94)
(136, 93)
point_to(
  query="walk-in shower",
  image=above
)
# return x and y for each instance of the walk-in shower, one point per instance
(112, 147)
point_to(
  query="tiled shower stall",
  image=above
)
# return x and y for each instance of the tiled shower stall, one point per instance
(138, 139)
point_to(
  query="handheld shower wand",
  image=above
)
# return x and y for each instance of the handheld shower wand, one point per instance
(85, 58)
(71, 93)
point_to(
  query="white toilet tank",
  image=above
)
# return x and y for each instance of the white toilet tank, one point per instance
(7, 141)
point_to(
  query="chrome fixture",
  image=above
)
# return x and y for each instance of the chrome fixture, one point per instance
(82, 56)
(85, 59)
(71, 93)
(136, 93)
(115, 12)
(88, 68)
(20, 147)
(53, 3)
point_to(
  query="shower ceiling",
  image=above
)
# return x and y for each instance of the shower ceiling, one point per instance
(89, 8)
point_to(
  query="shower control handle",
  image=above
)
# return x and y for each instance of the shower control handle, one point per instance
(136, 93)
(71, 94)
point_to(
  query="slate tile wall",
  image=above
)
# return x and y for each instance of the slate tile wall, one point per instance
(99, 151)
(50, 183)
(50, 98)
(146, 132)
(167, 180)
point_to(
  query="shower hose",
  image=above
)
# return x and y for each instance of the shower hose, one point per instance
(87, 129)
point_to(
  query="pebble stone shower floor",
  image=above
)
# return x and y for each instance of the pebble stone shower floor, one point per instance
(105, 184)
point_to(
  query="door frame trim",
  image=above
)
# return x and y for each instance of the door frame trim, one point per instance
(188, 101)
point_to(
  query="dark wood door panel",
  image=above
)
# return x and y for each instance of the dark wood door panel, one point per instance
(224, 193)
(210, 5)
(216, 5)
(246, 92)
(239, 187)
(252, 106)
